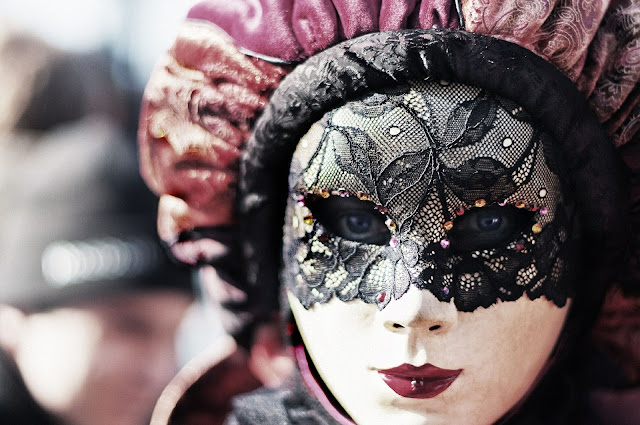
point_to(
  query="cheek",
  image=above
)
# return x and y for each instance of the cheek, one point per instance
(504, 349)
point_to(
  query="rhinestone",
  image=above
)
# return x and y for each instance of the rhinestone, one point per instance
(445, 243)
(381, 296)
(363, 196)
(507, 142)
(536, 228)
(308, 219)
(520, 245)
(460, 211)
(394, 131)
(543, 192)
(480, 203)
(381, 209)
(448, 225)
(343, 193)
(521, 204)
(393, 242)
(325, 193)
(544, 211)
(391, 225)
(445, 290)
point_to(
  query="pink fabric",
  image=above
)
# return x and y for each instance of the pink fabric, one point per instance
(292, 30)
(197, 112)
(595, 42)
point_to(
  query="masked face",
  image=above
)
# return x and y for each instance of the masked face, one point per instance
(427, 241)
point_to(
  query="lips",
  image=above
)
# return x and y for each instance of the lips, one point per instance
(424, 381)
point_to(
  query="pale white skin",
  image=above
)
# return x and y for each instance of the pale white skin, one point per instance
(501, 349)
(98, 363)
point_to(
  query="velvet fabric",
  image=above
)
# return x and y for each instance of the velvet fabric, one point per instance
(361, 65)
(292, 30)
(594, 42)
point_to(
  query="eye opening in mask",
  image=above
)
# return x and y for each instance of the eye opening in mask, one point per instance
(492, 226)
(351, 218)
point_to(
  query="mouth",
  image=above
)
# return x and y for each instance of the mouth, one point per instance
(424, 381)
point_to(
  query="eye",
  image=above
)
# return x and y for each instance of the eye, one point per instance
(488, 227)
(351, 218)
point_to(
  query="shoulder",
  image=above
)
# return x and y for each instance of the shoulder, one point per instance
(290, 404)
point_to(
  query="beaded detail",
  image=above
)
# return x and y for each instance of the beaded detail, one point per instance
(432, 161)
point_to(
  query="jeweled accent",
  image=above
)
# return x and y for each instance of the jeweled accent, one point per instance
(391, 225)
(343, 193)
(325, 193)
(363, 196)
(445, 243)
(460, 211)
(394, 131)
(381, 209)
(480, 203)
(520, 245)
(536, 228)
(323, 237)
(543, 193)
(448, 225)
(521, 204)
(308, 219)
(544, 211)
(381, 296)
(445, 290)
(393, 242)
(507, 142)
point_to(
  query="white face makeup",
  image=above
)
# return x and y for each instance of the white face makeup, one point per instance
(426, 247)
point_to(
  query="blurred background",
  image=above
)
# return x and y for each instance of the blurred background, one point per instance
(133, 32)
(95, 319)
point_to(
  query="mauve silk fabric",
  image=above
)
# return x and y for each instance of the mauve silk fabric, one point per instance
(595, 42)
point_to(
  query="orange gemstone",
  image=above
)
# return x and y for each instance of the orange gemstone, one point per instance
(536, 228)
(448, 225)
(521, 204)
(480, 203)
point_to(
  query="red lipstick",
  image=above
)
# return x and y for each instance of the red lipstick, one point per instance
(424, 381)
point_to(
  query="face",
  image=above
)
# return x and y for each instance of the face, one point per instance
(427, 245)
(104, 362)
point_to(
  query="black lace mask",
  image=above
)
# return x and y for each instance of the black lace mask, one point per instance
(438, 185)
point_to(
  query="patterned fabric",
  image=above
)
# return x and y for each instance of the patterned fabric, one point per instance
(595, 42)
(457, 191)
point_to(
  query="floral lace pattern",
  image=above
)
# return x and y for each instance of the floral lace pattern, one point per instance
(427, 155)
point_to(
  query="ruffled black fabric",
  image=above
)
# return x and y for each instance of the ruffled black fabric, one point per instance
(379, 60)
(375, 61)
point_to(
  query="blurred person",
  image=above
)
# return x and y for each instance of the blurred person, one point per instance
(89, 302)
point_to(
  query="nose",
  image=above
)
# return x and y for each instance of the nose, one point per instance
(419, 310)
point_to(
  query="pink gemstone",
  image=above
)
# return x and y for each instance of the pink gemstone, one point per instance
(544, 211)
(381, 209)
(393, 242)
(520, 245)
(381, 296)
(445, 290)
(445, 243)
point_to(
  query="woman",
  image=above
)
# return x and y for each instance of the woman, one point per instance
(446, 245)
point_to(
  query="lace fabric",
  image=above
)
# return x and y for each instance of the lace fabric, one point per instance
(427, 155)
